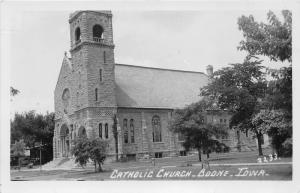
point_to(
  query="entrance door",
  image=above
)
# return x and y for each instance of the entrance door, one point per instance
(65, 144)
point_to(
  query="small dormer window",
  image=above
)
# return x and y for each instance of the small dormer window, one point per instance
(77, 35)
(97, 33)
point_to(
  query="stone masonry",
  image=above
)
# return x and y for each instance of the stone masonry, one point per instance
(87, 96)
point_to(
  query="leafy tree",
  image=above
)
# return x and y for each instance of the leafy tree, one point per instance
(279, 91)
(274, 40)
(81, 150)
(94, 149)
(13, 91)
(239, 88)
(242, 88)
(98, 151)
(190, 122)
(276, 124)
(18, 150)
(32, 128)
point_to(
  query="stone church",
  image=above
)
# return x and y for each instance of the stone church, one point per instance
(92, 89)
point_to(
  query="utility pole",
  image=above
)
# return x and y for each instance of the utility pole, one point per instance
(41, 156)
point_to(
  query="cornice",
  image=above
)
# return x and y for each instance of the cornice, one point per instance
(101, 44)
(76, 14)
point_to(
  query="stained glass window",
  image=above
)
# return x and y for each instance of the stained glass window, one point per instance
(132, 130)
(156, 129)
(125, 131)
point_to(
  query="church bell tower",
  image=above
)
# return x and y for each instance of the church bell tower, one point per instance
(92, 52)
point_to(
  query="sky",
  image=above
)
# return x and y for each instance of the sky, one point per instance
(184, 40)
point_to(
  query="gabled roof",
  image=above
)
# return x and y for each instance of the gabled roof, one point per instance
(144, 87)
(65, 68)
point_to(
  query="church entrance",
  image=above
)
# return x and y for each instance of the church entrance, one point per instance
(65, 141)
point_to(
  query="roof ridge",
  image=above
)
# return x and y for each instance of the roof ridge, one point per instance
(157, 68)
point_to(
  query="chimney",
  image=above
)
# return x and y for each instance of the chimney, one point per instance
(209, 71)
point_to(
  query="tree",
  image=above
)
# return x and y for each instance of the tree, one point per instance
(190, 122)
(242, 88)
(239, 88)
(98, 151)
(32, 128)
(13, 91)
(276, 124)
(94, 149)
(81, 150)
(18, 150)
(274, 40)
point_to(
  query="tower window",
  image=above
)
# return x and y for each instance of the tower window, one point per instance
(100, 130)
(104, 56)
(100, 75)
(97, 33)
(96, 94)
(106, 130)
(77, 35)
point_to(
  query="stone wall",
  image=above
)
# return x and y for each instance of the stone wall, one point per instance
(143, 132)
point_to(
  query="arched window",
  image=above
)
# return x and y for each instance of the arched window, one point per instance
(100, 75)
(131, 130)
(71, 133)
(66, 99)
(100, 130)
(97, 32)
(77, 34)
(82, 132)
(106, 130)
(156, 129)
(96, 94)
(125, 131)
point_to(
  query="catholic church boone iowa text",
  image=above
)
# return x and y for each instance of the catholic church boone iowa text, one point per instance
(92, 89)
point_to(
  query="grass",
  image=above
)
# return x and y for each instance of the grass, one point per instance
(169, 165)
(270, 172)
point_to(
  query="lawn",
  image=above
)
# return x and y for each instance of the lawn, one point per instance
(261, 172)
(231, 166)
(169, 169)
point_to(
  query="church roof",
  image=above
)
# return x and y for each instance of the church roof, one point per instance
(145, 87)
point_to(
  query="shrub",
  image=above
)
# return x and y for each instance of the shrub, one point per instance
(287, 148)
(94, 149)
